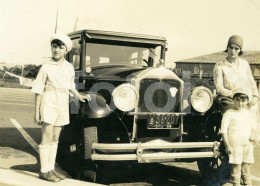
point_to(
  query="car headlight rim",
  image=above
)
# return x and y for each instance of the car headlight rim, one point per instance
(126, 103)
(201, 99)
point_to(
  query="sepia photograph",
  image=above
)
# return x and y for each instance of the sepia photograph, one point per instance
(130, 92)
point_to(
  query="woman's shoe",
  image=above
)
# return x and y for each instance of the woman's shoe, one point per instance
(49, 176)
(59, 175)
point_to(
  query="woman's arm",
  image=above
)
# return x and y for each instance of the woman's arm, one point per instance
(219, 81)
(252, 82)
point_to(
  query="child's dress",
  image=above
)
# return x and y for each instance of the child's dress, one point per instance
(53, 82)
(237, 125)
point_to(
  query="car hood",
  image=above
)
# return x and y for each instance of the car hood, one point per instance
(126, 73)
(116, 72)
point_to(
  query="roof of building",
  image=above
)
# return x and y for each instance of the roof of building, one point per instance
(253, 57)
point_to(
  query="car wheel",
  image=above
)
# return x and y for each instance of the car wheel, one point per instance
(69, 155)
(214, 171)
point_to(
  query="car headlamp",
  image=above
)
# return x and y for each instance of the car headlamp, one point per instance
(201, 99)
(88, 70)
(125, 97)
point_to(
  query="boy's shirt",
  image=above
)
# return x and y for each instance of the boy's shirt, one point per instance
(237, 124)
(57, 75)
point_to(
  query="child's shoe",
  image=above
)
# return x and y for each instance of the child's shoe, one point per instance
(235, 180)
(246, 180)
(59, 175)
(48, 176)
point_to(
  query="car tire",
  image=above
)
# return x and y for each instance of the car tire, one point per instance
(214, 171)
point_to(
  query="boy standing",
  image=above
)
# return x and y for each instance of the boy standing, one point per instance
(52, 85)
(236, 129)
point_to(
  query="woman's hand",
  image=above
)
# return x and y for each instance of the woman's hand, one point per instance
(253, 101)
(82, 98)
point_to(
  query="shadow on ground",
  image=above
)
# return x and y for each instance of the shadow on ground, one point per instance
(17, 149)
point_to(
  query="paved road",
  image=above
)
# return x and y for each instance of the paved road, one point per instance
(20, 138)
(19, 162)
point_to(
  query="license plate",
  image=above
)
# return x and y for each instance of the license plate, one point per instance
(161, 120)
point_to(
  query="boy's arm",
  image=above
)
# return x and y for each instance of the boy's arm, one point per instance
(37, 117)
(79, 96)
(224, 128)
(253, 121)
(226, 142)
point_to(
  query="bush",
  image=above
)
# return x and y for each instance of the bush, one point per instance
(31, 71)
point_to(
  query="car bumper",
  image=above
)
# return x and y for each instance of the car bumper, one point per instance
(153, 151)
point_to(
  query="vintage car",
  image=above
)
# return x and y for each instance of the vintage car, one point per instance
(140, 111)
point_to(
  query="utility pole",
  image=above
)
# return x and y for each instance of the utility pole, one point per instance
(57, 13)
(22, 70)
(76, 23)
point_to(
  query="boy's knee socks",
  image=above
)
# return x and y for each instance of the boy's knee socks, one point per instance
(246, 176)
(235, 178)
(44, 157)
(52, 155)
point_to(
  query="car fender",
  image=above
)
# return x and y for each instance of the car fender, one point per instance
(95, 108)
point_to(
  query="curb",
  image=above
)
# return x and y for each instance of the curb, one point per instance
(11, 177)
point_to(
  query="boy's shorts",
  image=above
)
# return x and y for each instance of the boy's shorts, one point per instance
(242, 154)
(55, 108)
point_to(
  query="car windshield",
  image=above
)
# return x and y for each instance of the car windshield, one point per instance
(105, 54)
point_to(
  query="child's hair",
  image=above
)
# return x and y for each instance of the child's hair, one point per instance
(58, 42)
(241, 95)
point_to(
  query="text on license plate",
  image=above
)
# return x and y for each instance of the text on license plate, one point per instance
(161, 120)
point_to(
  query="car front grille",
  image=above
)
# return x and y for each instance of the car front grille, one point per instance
(156, 95)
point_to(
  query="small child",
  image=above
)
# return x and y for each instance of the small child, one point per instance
(236, 129)
(52, 85)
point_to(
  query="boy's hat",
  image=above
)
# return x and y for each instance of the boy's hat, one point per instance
(236, 39)
(242, 91)
(64, 38)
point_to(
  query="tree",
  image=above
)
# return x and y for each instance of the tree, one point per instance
(17, 70)
(31, 71)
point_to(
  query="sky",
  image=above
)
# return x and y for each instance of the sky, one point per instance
(192, 27)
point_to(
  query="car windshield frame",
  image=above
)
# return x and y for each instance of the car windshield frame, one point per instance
(109, 52)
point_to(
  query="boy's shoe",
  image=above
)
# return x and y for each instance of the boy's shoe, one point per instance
(235, 180)
(246, 180)
(49, 176)
(59, 175)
